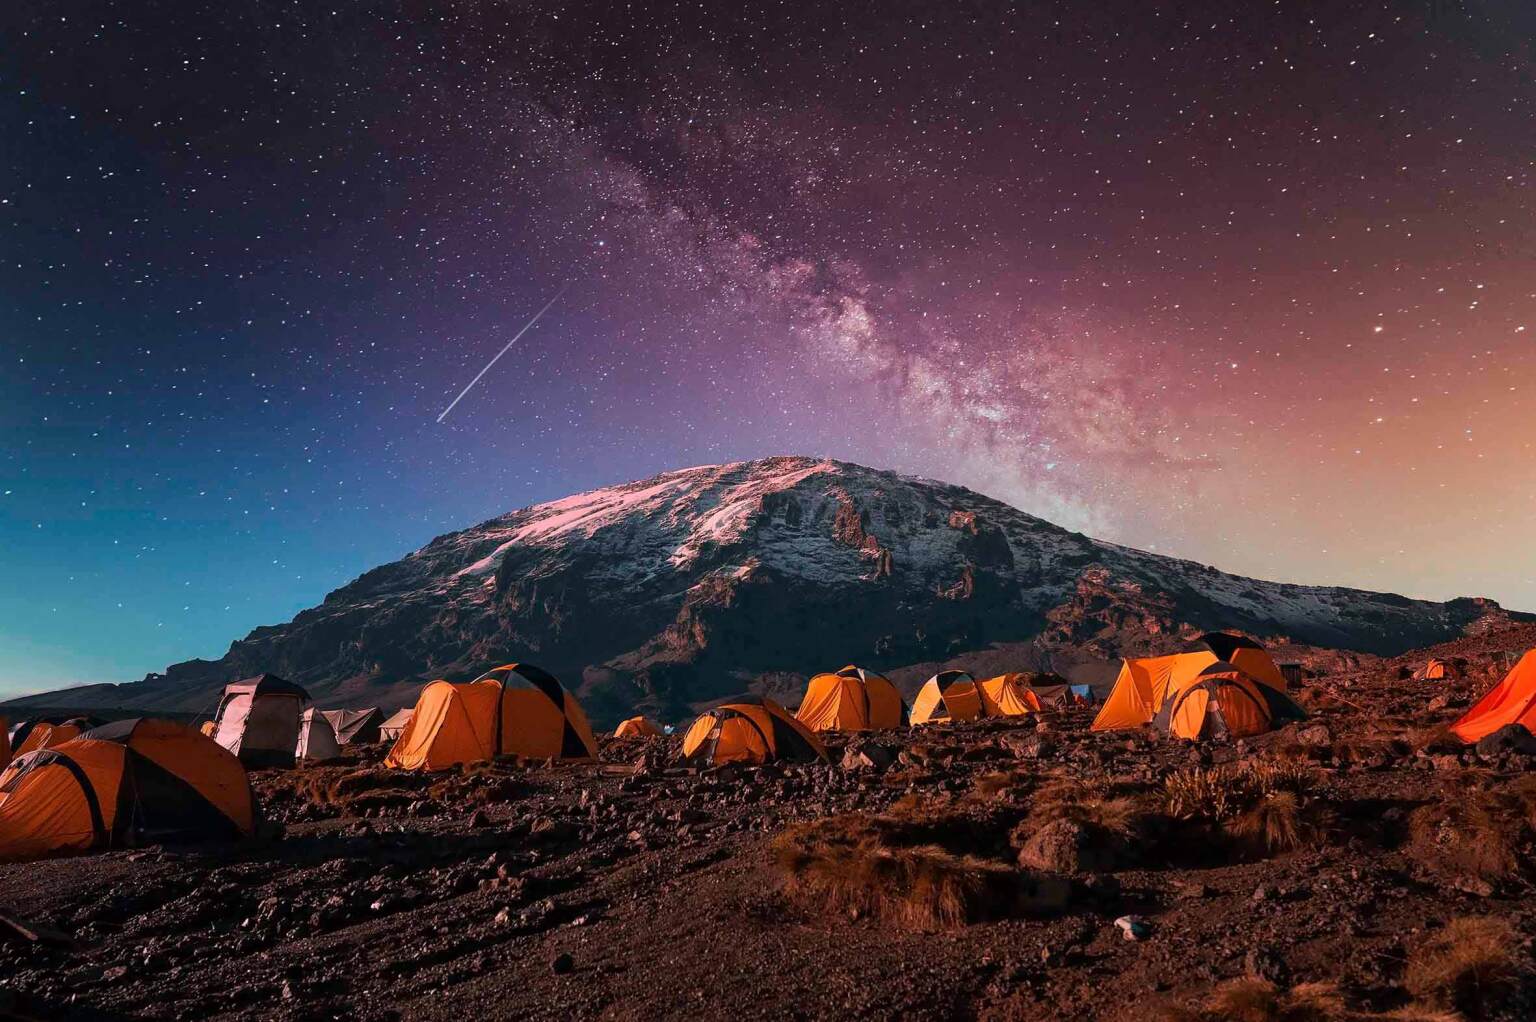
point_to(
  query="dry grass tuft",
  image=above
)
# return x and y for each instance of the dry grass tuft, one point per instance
(1468, 965)
(1098, 803)
(355, 791)
(1484, 834)
(1438, 740)
(999, 783)
(1280, 822)
(1258, 1000)
(888, 868)
(1270, 806)
(1223, 792)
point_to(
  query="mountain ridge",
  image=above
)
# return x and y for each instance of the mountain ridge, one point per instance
(698, 583)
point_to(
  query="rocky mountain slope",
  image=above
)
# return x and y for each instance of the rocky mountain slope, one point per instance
(704, 582)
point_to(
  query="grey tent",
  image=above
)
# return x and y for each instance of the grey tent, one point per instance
(355, 727)
(390, 730)
(317, 740)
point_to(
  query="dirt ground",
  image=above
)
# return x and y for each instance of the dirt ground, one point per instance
(641, 889)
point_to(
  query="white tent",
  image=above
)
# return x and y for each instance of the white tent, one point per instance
(317, 739)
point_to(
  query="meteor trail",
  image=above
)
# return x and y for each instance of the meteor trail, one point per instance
(503, 351)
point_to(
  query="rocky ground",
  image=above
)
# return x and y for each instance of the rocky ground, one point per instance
(1358, 865)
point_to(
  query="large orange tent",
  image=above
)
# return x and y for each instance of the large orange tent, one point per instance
(853, 699)
(1511, 701)
(1223, 701)
(948, 695)
(1143, 683)
(512, 710)
(637, 727)
(750, 730)
(128, 783)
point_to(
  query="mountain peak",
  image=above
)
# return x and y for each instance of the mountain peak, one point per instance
(702, 582)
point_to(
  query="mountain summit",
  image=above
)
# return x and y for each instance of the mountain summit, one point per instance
(704, 582)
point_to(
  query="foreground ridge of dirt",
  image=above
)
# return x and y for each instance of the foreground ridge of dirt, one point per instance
(1355, 865)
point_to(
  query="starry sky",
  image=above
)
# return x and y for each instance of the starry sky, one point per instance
(1246, 283)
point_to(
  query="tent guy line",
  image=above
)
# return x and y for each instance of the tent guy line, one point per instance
(508, 347)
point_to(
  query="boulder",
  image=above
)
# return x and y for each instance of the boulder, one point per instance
(1064, 846)
(1509, 738)
(868, 757)
(1315, 736)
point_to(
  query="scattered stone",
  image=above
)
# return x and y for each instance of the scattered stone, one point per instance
(1315, 736)
(1263, 963)
(869, 757)
(1133, 928)
(1476, 886)
(563, 965)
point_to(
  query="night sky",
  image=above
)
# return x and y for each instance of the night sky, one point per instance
(1252, 289)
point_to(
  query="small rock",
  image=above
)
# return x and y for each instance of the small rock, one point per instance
(563, 964)
(1263, 963)
(1475, 886)
(479, 818)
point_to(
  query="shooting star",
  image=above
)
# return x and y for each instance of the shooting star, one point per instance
(526, 327)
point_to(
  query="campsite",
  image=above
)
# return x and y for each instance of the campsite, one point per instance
(1359, 862)
(768, 512)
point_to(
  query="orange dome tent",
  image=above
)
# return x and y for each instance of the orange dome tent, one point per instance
(1008, 695)
(1436, 670)
(750, 731)
(1143, 683)
(948, 695)
(44, 734)
(513, 710)
(1511, 701)
(853, 699)
(637, 727)
(1223, 702)
(128, 783)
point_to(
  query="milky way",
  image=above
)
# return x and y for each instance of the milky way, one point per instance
(1252, 289)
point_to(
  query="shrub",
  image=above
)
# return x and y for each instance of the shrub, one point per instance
(879, 866)
(1486, 834)
(1271, 806)
(1467, 965)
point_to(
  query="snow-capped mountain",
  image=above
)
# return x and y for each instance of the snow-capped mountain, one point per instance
(704, 582)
